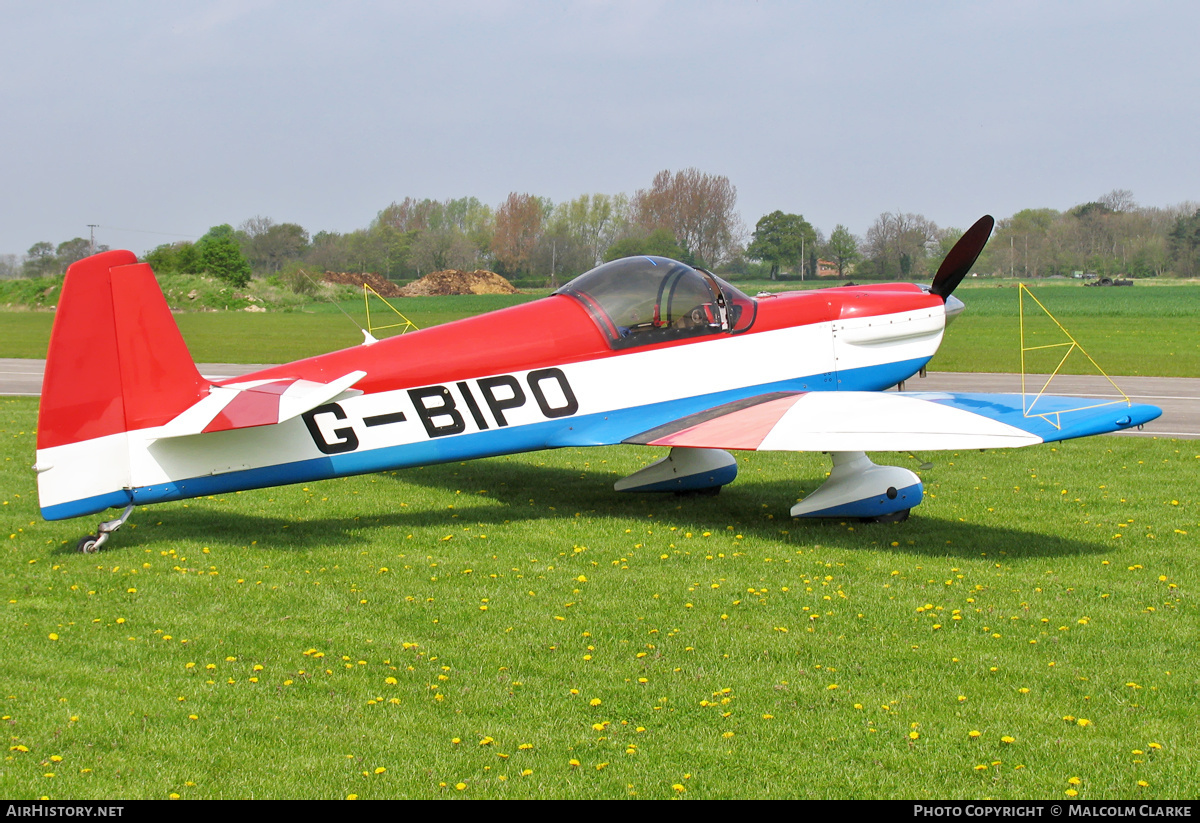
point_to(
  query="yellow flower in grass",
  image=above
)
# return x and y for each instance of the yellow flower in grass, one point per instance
(974, 733)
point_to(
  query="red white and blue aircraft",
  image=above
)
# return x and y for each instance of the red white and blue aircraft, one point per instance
(643, 350)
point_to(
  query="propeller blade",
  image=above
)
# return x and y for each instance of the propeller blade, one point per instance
(960, 259)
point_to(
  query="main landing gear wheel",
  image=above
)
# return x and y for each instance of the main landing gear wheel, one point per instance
(88, 544)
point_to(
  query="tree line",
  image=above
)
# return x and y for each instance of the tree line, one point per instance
(687, 215)
(1110, 236)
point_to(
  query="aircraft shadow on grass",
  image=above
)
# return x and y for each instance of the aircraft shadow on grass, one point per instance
(740, 505)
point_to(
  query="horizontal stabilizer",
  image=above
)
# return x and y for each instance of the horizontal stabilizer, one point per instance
(894, 421)
(256, 403)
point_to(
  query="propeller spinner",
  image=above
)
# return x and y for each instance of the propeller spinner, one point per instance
(960, 259)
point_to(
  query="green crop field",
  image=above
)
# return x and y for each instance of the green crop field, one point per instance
(513, 628)
(1138, 331)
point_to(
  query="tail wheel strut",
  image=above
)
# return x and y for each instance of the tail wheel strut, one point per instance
(91, 543)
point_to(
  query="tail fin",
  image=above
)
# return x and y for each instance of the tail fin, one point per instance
(116, 363)
(117, 360)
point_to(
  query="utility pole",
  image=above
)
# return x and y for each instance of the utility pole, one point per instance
(92, 243)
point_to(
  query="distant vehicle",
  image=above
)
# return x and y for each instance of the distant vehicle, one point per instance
(1108, 281)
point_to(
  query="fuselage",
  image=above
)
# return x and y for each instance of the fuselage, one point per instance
(544, 374)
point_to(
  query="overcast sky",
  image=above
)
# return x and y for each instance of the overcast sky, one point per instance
(157, 120)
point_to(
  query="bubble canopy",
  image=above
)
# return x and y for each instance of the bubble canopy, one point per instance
(637, 301)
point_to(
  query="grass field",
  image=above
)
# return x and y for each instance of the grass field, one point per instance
(512, 628)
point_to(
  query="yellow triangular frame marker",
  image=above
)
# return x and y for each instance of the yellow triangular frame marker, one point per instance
(407, 325)
(1071, 345)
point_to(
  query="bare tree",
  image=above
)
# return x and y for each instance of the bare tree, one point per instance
(519, 226)
(899, 243)
(1119, 200)
(699, 209)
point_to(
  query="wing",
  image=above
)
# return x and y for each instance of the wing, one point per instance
(256, 403)
(895, 421)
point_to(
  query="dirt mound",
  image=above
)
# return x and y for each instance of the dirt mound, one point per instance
(383, 287)
(453, 281)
